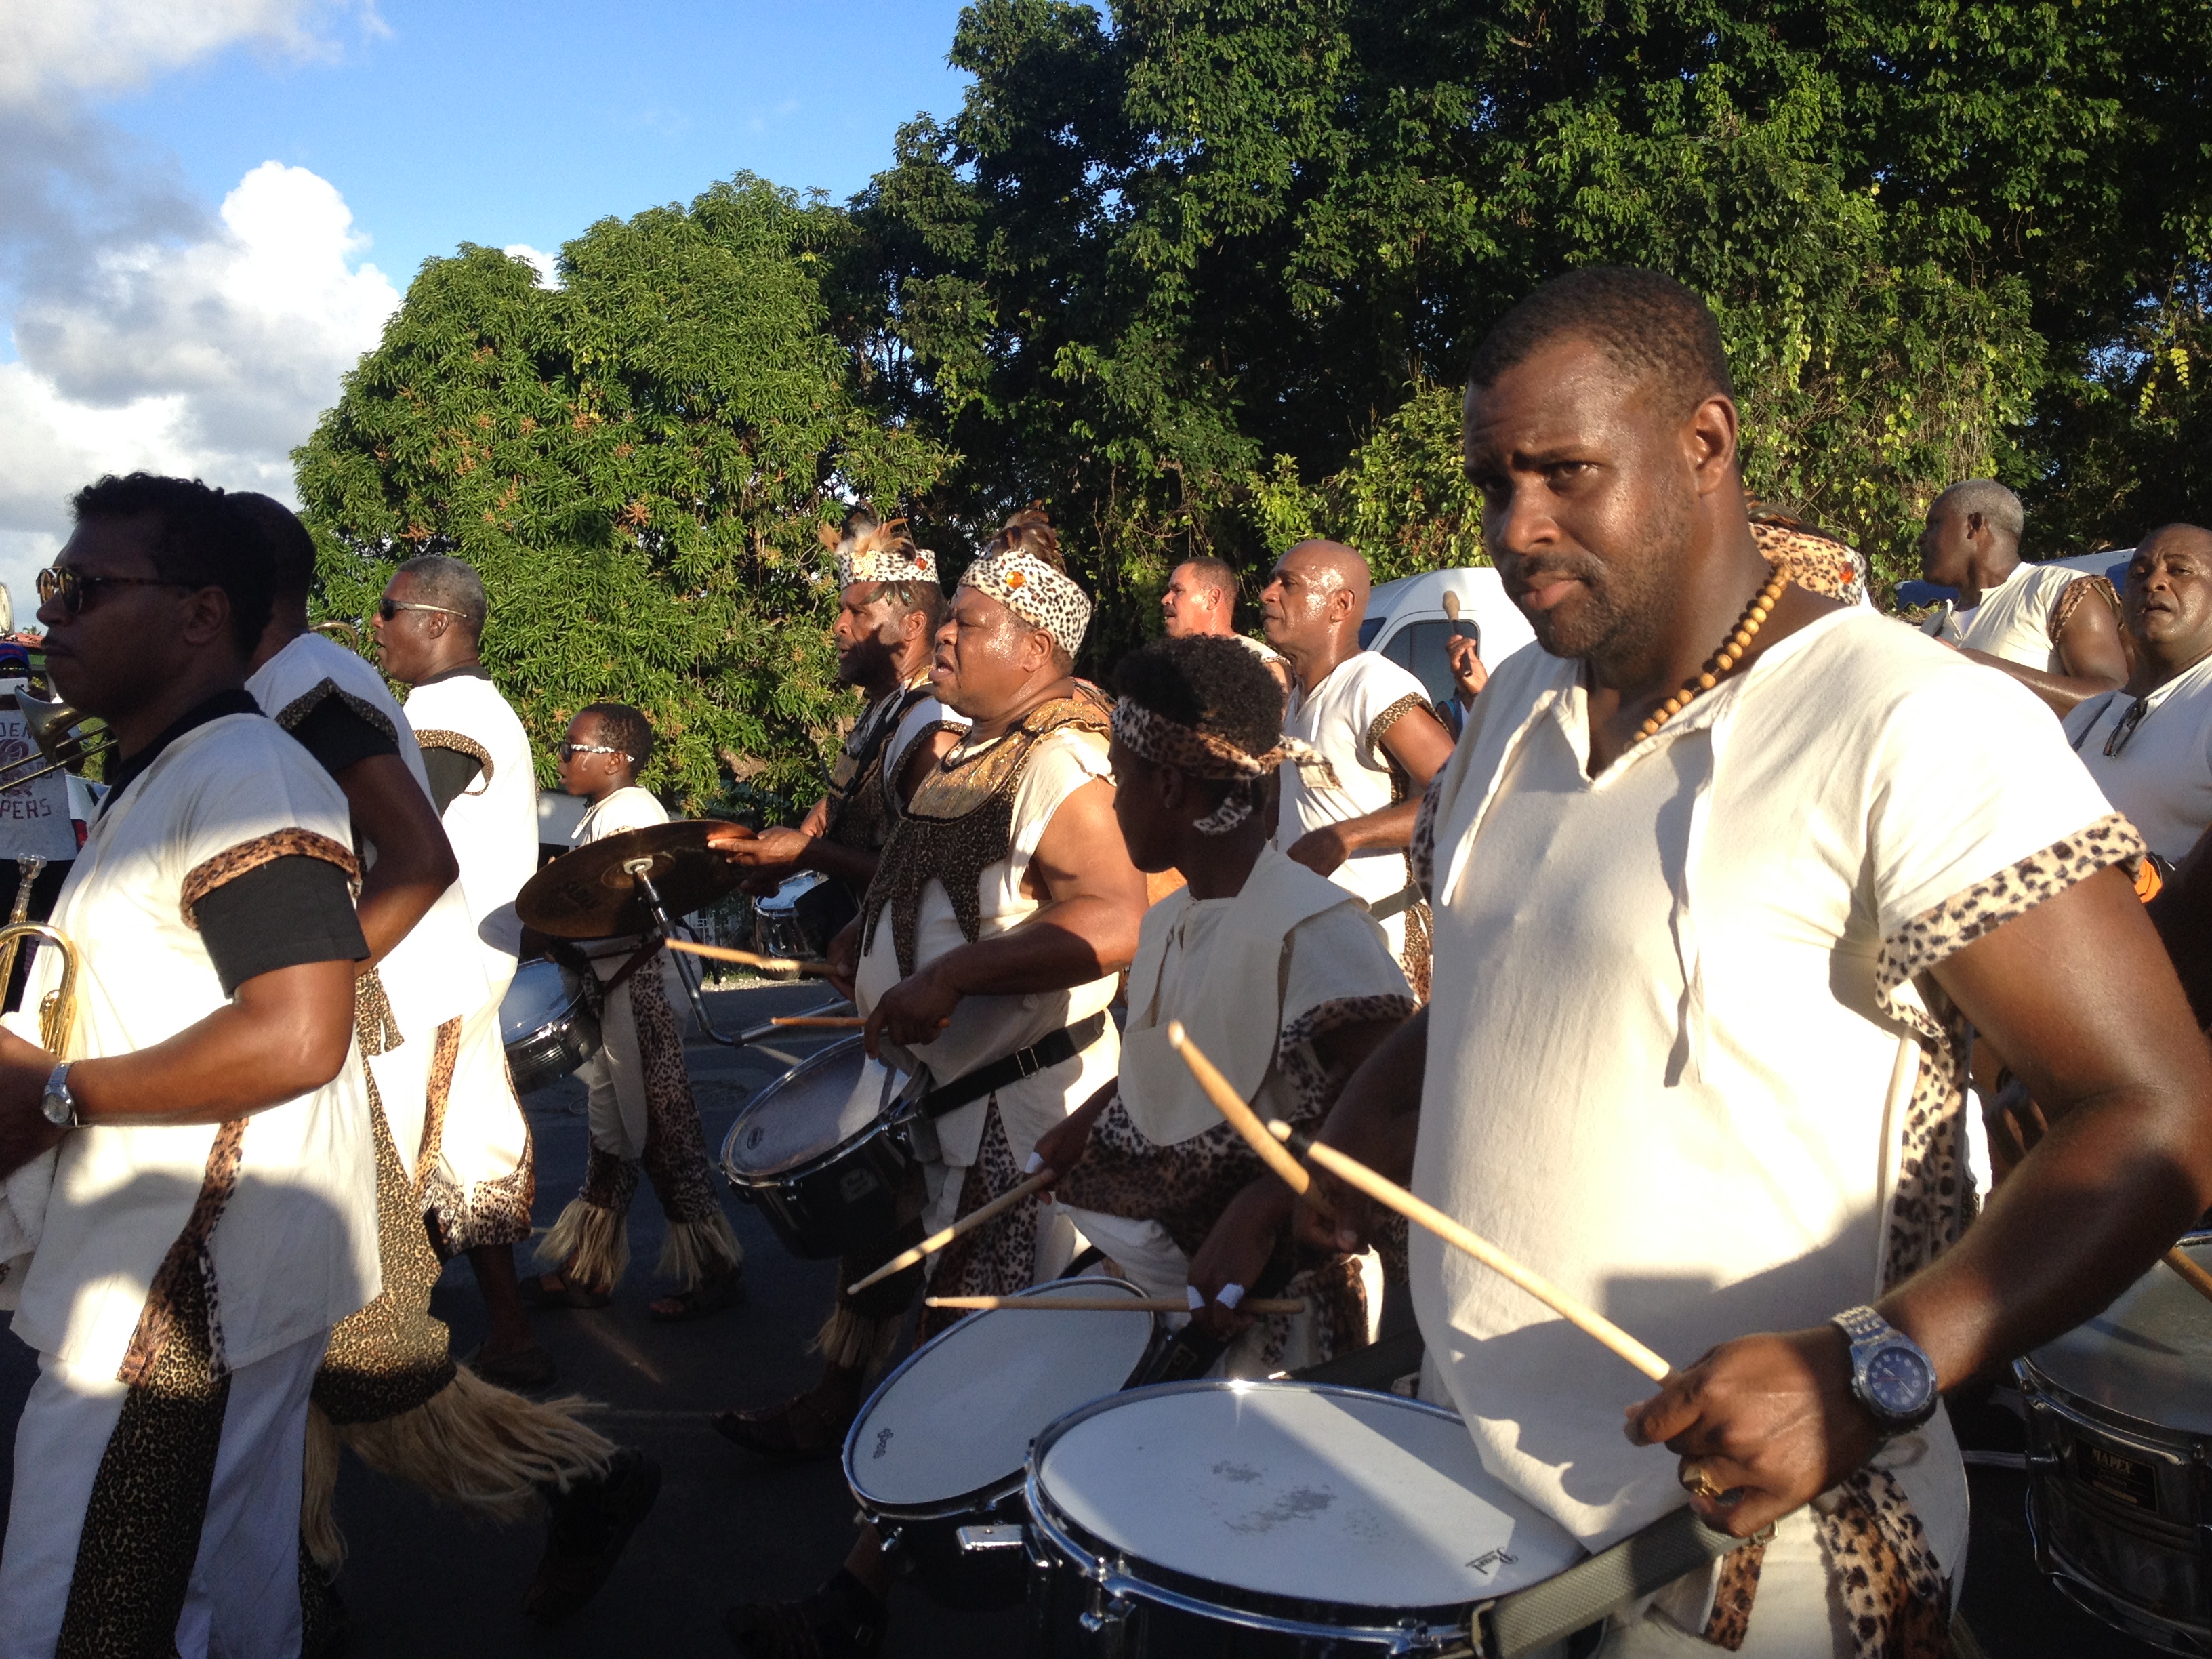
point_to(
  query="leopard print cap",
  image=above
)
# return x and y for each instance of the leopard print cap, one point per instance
(1040, 595)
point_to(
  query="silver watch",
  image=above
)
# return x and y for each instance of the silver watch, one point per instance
(57, 1103)
(1892, 1375)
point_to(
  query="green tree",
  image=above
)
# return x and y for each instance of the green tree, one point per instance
(636, 461)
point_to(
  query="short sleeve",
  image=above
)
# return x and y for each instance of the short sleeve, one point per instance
(339, 735)
(1973, 778)
(290, 910)
(1337, 956)
(1064, 761)
(450, 772)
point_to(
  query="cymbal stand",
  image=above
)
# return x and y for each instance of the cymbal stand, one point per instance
(641, 871)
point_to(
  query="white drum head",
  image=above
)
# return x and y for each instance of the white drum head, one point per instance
(1359, 1499)
(788, 892)
(808, 1111)
(960, 1415)
(539, 995)
(2149, 1355)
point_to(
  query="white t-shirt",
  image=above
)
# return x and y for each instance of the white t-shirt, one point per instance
(294, 1250)
(2161, 779)
(631, 808)
(493, 824)
(927, 713)
(2013, 620)
(984, 1028)
(1658, 1066)
(1344, 718)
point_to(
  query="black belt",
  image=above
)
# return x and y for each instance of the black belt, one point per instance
(1047, 1052)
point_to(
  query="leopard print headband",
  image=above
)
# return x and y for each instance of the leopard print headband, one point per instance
(1035, 592)
(886, 564)
(1153, 737)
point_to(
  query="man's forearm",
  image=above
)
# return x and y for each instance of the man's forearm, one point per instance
(2063, 692)
(1070, 942)
(392, 901)
(1378, 1114)
(847, 864)
(1390, 828)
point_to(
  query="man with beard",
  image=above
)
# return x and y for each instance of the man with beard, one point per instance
(993, 939)
(2053, 629)
(1373, 744)
(1719, 882)
(889, 609)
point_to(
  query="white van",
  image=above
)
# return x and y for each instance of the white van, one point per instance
(1406, 621)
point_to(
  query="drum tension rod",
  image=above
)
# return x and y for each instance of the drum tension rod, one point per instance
(641, 871)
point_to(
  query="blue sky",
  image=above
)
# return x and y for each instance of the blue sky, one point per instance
(209, 208)
(502, 122)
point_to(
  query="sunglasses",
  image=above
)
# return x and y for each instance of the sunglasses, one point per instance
(75, 589)
(387, 609)
(2126, 728)
(569, 751)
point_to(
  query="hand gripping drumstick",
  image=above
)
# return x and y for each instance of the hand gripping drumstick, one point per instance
(1267, 1142)
(1258, 1304)
(938, 1241)
(750, 958)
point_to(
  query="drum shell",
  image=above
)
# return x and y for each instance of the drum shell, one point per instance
(1087, 1601)
(2117, 1506)
(926, 1539)
(557, 1045)
(856, 1194)
(801, 916)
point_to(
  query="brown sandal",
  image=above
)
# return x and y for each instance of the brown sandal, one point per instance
(709, 1295)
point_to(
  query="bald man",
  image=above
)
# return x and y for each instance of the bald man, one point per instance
(2053, 629)
(1347, 812)
(1200, 597)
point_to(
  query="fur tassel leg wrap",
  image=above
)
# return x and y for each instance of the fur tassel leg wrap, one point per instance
(699, 1250)
(591, 1244)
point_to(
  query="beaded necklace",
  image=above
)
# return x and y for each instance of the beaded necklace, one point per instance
(1731, 652)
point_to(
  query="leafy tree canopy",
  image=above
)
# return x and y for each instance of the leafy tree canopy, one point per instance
(636, 462)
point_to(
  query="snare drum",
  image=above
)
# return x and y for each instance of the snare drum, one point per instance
(801, 916)
(941, 1479)
(1257, 1519)
(2119, 1460)
(547, 1024)
(822, 1160)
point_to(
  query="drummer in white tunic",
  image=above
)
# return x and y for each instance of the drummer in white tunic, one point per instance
(1708, 930)
(429, 627)
(1347, 807)
(2053, 629)
(2150, 744)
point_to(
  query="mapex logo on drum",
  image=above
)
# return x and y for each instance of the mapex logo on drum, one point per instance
(1489, 1561)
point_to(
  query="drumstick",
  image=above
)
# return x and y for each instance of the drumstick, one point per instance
(2192, 1275)
(820, 1022)
(1258, 1304)
(966, 1224)
(751, 958)
(1353, 1173)
(1243, 1118)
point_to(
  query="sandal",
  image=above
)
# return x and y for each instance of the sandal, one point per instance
(724, 1289)
(557, 1290)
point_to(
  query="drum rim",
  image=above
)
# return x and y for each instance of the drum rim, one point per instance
(982, 1497)
(881, 1123)
(1092, 1556)
(813, 879)
(576, 999)
(2035, 1379)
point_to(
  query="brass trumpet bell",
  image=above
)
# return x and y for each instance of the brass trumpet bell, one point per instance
(344, 633)
(57, 1010)
(58, 731)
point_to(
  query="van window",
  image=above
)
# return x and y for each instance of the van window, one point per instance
(1368, 630)
(1419, 646)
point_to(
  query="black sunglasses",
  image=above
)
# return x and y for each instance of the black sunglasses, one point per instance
(387, 609)
(75, 588)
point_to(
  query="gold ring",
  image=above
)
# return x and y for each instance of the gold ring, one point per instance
(1700, 1484)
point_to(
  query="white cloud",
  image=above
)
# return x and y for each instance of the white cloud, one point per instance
(211, 356)
(547, 264)
(49, 46)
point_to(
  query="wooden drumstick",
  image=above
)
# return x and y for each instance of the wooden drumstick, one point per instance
(1353, 1173)
(1243, 1118)
(750, 958)
(1258, 1304)
(2191, 1275)
(819, 1021)
(966, 1224)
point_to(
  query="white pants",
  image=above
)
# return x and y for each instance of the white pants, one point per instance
(614, 1078)
(244, 1599)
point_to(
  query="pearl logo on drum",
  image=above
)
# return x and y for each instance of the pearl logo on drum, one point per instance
(883, 1441)
(1489, 1561)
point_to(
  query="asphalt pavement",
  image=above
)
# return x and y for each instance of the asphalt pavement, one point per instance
(423, 1582)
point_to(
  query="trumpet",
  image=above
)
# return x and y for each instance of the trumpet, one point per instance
(58, 731)
(58, 1008)
(344, 633)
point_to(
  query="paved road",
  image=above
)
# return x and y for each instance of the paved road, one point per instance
(422, 1582)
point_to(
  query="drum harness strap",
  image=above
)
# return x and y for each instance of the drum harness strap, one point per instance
(1053, 1050)
(1640, 1565)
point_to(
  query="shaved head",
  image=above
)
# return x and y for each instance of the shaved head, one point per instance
(1339, 565)
(1312, 606)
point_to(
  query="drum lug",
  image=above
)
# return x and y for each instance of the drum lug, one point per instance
(1109, 1609)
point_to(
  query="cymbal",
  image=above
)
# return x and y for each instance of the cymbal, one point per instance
(587, 894)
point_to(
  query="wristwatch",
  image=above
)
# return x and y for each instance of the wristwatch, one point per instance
(1892, 1375)
(57, 1103)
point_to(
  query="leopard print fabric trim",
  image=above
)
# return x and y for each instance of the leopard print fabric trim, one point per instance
(142, 1527)
(1421, 852)
(675, 1151)
(1735, 1586)
(961, 820)
(389, 1356)
(306, 704)
(247, 856)
(1819, 563)
(2076, 593)
(998, 1258)
(439, 1096)
(185, 1279)
(1878, 1561)
(1934, 1201)
(1389, 718)
(496, 1211)
(610, 1181)
(374, 1025)
(1318, 1085)
(436, 737)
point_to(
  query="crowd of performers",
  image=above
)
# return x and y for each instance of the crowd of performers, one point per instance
(1618, 957)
